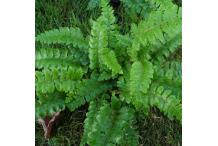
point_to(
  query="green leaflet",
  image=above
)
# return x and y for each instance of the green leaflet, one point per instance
(97, 41)
(140, 77)
(50, 57)
(108, 58)
(59, 57)
(63, 36)
(63, 79)
(139, 81)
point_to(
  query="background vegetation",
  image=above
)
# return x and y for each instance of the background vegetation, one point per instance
(156, 130)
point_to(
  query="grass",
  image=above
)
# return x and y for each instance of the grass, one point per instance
(158, 130)
(52, 14)
(155, 130)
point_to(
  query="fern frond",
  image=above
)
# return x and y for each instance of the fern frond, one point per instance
(122, 130)
(63, 79)
(160, 26)
(108, 126)
(164, 98)
(165, 91)
(90, 119)
(97, 41)
(63, 36)
(99, 33)
(101, 126)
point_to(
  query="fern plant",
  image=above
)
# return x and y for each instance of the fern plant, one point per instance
(116, 74)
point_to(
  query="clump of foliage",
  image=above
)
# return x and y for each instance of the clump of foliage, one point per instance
(117, 74)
